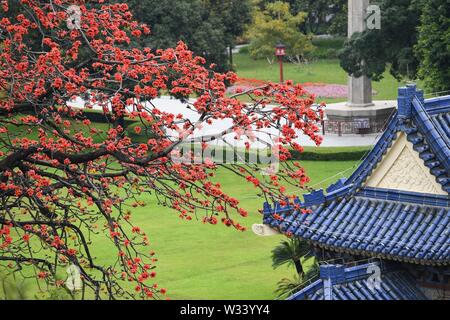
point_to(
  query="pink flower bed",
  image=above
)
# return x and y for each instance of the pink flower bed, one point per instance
(327, 90)
(322, 90)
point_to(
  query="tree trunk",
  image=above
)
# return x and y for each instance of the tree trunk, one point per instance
(298, 267)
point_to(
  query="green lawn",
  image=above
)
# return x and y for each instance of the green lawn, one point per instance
(199, 261)
(324, 71)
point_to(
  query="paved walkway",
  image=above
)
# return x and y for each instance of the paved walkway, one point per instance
(174, 106)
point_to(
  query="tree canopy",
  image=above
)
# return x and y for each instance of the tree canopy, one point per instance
(322, 16)
(209, 27)
(275, 24)
(433, 47)
(412, 43)
(390, 47)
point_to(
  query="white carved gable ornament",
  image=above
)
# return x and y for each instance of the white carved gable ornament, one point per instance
(402, 169)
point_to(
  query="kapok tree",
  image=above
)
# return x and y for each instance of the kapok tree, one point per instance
(62, 179)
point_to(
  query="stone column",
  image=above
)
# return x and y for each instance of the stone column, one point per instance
(360, 89)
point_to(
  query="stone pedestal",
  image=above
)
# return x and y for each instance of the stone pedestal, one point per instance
(342, 118)
(359, 115)
(359, 92)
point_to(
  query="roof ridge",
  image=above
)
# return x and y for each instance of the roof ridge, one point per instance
(439, 141)
(335, 282)
(437, 105)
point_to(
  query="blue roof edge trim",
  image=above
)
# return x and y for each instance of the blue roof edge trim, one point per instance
(411, 105)
(438, 105)
(313, 287)
(405, 196)
(433, 135)
(312, 199)
(339, 274)
(369, 163)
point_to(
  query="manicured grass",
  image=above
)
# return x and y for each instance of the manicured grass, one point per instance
(324, 71)
(199, 261)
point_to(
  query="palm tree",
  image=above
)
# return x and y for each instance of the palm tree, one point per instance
(287, 287)
(291, 251)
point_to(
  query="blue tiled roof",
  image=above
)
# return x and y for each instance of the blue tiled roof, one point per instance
(354, 283)
(393, 224)
(368, 226)
(427, 125)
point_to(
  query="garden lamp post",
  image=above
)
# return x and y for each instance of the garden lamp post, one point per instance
(280, 52)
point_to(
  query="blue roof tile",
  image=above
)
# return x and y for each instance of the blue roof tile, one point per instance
(337, 282)
(374, 227)
(394, 224)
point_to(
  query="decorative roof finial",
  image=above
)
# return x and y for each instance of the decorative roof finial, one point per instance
(405, 99)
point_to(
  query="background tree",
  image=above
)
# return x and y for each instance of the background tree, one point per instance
(433, 47)
(338, 24)
(412, 43)
(235, 16)
(287, 287)
(274, 24)
(390, 47)
(208, 27)
(65, 180)
(291, 251)
(322, 16)
(294, 252)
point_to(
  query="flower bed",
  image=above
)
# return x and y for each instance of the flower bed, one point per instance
(322, 90)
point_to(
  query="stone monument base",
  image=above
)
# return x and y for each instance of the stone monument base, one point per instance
(343, 119)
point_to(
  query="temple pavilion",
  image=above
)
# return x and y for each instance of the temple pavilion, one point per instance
(384, 232)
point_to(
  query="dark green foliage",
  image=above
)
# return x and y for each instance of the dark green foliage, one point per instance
(317, 13)
(327, 48)
(291, 252)
(100, 117)
(391, 47)
(335, 155)
(414, 42)
(287, 287)
(296, 252)
(338, 24)
(209, 28)
(433, 48)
